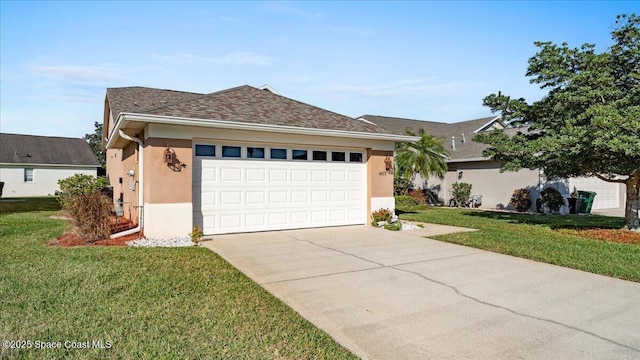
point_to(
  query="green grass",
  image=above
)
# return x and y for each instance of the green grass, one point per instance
(533, 237)
(149, 303)
(27, 204)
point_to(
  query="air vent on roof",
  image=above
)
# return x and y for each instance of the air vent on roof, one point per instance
(463, 140)
(453, 143)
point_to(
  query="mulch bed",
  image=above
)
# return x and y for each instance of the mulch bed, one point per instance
(72, 238)
(612, 235)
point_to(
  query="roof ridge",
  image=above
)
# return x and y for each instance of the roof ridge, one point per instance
(44, 136)
(195, 98)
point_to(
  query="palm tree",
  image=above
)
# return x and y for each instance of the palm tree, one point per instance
(426, 157)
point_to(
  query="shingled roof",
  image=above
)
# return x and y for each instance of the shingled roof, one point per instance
(243, 104)
(466, 150)
(45, 150)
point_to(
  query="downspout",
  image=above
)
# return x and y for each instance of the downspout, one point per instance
(140, 186)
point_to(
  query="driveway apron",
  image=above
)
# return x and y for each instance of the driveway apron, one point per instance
(399, 295)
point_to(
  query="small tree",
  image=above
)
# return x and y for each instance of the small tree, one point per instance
(521, 200)
(426, 157)
(552, 199)
(460, 193)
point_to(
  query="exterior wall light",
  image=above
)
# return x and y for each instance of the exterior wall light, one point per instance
(388, 165)
(168, 155)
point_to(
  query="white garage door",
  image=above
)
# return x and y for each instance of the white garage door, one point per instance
(240, 188)
(607, 193)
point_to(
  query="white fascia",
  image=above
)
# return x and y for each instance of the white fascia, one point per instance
(158, 119)
(497, 118)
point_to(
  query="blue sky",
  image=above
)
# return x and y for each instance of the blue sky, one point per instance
(421, 60)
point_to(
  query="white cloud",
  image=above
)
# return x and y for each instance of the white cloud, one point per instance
(234, 58)
(77, 73)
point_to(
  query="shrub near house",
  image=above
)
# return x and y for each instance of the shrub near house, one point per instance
(88, 206)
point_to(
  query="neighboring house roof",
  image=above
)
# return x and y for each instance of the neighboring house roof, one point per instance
(244, 104)
(45, 150)
(461, 133)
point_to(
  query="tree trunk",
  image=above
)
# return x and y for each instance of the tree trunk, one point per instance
(633, 202)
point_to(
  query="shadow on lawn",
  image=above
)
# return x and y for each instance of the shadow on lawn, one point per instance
(554, 221)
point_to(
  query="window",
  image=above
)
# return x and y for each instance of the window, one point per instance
(337, 156)
(280, 154)
(206, 150)
(355, 157)
(28, 175)
(320, 155)
(255, 153)
(299, 154)
(231, 151)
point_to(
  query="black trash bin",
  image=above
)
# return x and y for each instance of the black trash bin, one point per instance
(586, 201)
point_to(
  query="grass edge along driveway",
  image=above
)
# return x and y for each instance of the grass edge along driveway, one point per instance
(533, 237)
(139, 303)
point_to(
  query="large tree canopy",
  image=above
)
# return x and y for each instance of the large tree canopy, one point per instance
(588, 124)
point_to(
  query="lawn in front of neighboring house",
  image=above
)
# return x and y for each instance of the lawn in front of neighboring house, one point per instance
(26, 204)
(138, 303)
(565, 240)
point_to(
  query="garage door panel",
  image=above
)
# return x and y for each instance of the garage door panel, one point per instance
(278, 197)
(338, 176)
(230, 198)
(299, 196)
(319, 175)
(278, 175)
(338, 195)
(257, 195)
(299, 217)
(230, 174)
(319, 196)
(253, 175)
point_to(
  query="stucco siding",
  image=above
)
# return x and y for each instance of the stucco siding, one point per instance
(45, 179)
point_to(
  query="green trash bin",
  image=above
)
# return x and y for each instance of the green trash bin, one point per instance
(586, 201)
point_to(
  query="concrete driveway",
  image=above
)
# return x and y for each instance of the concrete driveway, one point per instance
(398, 295)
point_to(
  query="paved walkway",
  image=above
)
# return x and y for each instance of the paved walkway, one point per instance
(397, 295)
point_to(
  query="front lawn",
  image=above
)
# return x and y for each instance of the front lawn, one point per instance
(26, 204)
(138, 303)
(537, 237)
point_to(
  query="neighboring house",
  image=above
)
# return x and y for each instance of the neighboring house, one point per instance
(32, 165)
(466, 164)
(241, 160)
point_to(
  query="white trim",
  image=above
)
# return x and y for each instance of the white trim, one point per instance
(269, 88)
(497, 118)
(208, 123)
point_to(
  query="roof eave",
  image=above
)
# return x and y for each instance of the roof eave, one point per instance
(124, 118)
(468, 160)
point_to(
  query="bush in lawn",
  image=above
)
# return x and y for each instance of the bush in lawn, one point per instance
(460, 192)
(405, 203)
(89, 208)
(381, 215)
(521, 200)
(552, 199)
(80, 184)
(418, 196)
(90, 213)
